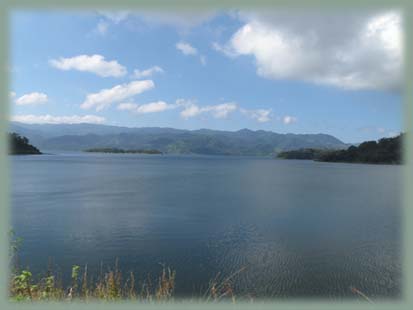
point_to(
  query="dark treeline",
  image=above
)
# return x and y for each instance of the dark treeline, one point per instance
(307, 153)
(19, 145)
(121, 151)
(384, 151)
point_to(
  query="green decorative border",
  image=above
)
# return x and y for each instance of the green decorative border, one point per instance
(406, 301)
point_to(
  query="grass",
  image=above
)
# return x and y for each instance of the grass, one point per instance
(113, 285)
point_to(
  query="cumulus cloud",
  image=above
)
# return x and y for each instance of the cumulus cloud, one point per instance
(95, 64)
(152, 107)
(289, 119)
(260, 115)
(32, 99)
(186, 48)
(191, 109)
(138, 74)
(220, 110)
(107, 97)
(50, 119)
(347, 50)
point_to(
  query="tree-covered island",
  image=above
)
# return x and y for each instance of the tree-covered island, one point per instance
(19, 145)
(384, 151)
(121, 151)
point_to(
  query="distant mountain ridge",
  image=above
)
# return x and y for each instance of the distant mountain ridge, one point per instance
(79, 137)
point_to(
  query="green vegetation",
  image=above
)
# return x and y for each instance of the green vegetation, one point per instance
(385, 151)
(111, 285)
(301, 154)
(19, 145)
(120, 151)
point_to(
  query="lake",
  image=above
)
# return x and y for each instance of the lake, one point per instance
(295, 228)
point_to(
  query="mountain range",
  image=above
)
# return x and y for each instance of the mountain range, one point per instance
(78, 137)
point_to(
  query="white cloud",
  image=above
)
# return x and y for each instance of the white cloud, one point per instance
(138, 74)
(127, 106)
(346, 50)
(220, 110)
(49, 119)
(95, 64)
(106, 97)
(260, 115)
(12, 94)
(191, 109)
(102, 27)
(186, 48)
(158, 106)
(32, 99)
(287, 120)
(152, 107)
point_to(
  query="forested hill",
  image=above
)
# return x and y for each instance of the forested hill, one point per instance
(19, 145)
(383, 151)
(78, 137)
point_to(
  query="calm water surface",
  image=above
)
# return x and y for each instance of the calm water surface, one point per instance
(300, 228)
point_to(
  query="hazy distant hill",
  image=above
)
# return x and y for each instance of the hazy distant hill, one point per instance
(168, 140)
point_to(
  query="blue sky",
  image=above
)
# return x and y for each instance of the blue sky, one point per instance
(298, 72)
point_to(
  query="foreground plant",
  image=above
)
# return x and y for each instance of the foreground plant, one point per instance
(110, 286)
(113, 286)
